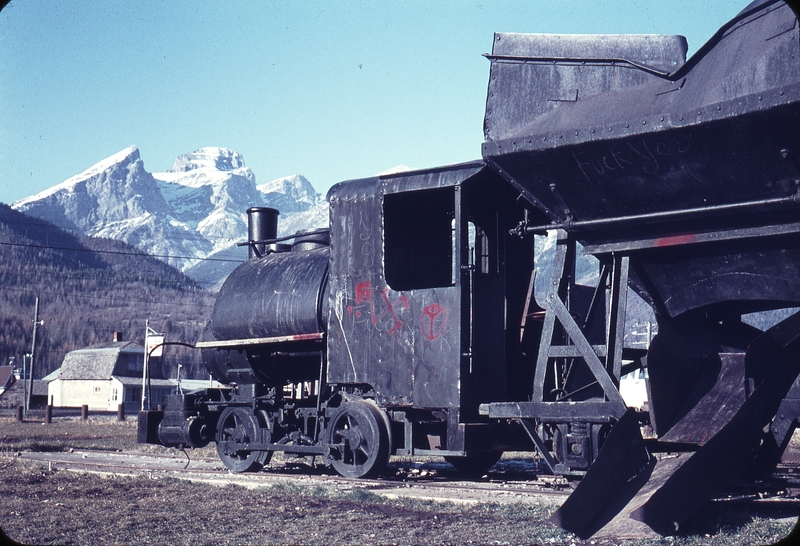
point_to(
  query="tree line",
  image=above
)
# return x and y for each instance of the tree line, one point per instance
(89, 288)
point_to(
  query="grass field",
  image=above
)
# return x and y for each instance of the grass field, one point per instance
(43, 506)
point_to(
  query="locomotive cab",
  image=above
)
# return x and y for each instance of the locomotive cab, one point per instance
(418, 307)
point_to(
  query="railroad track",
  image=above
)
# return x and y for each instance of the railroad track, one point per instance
(511, 480)
(515, 481)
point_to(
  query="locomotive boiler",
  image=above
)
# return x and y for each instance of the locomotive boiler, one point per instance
(413, 325)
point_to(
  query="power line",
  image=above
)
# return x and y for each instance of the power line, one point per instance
(109, 298)
(190, 236)
(49, 272)
(96, 273)
(122, 253)
(99, 275)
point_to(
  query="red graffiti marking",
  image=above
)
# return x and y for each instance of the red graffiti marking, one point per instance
(433, 321)
(363, 295)
(390, 306)
(363, 292)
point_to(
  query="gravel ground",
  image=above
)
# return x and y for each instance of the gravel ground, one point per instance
(415, 503)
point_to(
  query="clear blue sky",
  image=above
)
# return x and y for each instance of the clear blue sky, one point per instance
(332, 90)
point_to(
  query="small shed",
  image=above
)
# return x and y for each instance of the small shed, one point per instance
(14, 393)
(105, 375)
(7, 379)
(39, 397)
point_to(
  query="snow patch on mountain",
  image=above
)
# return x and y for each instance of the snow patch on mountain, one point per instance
(210, 158)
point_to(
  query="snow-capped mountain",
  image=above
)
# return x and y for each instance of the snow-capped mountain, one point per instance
(191, 216)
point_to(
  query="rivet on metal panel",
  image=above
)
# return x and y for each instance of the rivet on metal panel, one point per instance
(699, 113)
(781, 92)
(576, 133)
(662, 118)
(610, 129)
(644, 122)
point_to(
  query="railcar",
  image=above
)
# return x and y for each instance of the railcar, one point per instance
(422, 321)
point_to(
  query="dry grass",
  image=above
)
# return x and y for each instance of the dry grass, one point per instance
(103, 433)
(41, 506)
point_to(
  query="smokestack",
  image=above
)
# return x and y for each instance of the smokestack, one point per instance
(262, 225)
(117, 336)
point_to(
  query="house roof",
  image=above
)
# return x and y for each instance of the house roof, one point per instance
(40, 387)
(97, 361)
(134, 381)
(49, 377)
(186, 384)
(6, 376)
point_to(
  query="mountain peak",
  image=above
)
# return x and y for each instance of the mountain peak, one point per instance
(125, 156)
(186, 214)
(221, 159)
(295, 184)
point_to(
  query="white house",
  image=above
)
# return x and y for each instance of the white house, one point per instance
(105, 375)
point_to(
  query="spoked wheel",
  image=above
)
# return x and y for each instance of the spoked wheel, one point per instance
(360, 429)
(475, 464)
(238, 426)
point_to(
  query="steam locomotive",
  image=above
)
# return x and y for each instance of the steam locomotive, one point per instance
(412, 327)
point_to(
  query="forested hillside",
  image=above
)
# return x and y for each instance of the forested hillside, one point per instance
(89, 288)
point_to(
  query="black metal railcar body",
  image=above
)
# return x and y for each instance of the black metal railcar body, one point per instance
(412, 325)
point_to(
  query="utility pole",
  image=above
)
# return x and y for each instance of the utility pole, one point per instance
(144, 366)
(24, 379)
(36, 324)
(153, 343)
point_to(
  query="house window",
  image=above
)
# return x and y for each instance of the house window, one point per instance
(418, 238)
(114, 394)
(96, 389)
(131, 362)
(160, 396)
(133, 394)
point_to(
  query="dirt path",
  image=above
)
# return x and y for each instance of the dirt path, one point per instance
(513, 482)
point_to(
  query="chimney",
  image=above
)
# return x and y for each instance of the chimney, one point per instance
(117, 336)
(262, 225)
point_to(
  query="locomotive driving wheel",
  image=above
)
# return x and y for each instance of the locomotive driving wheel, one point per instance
(238, 426)
(360, 431)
